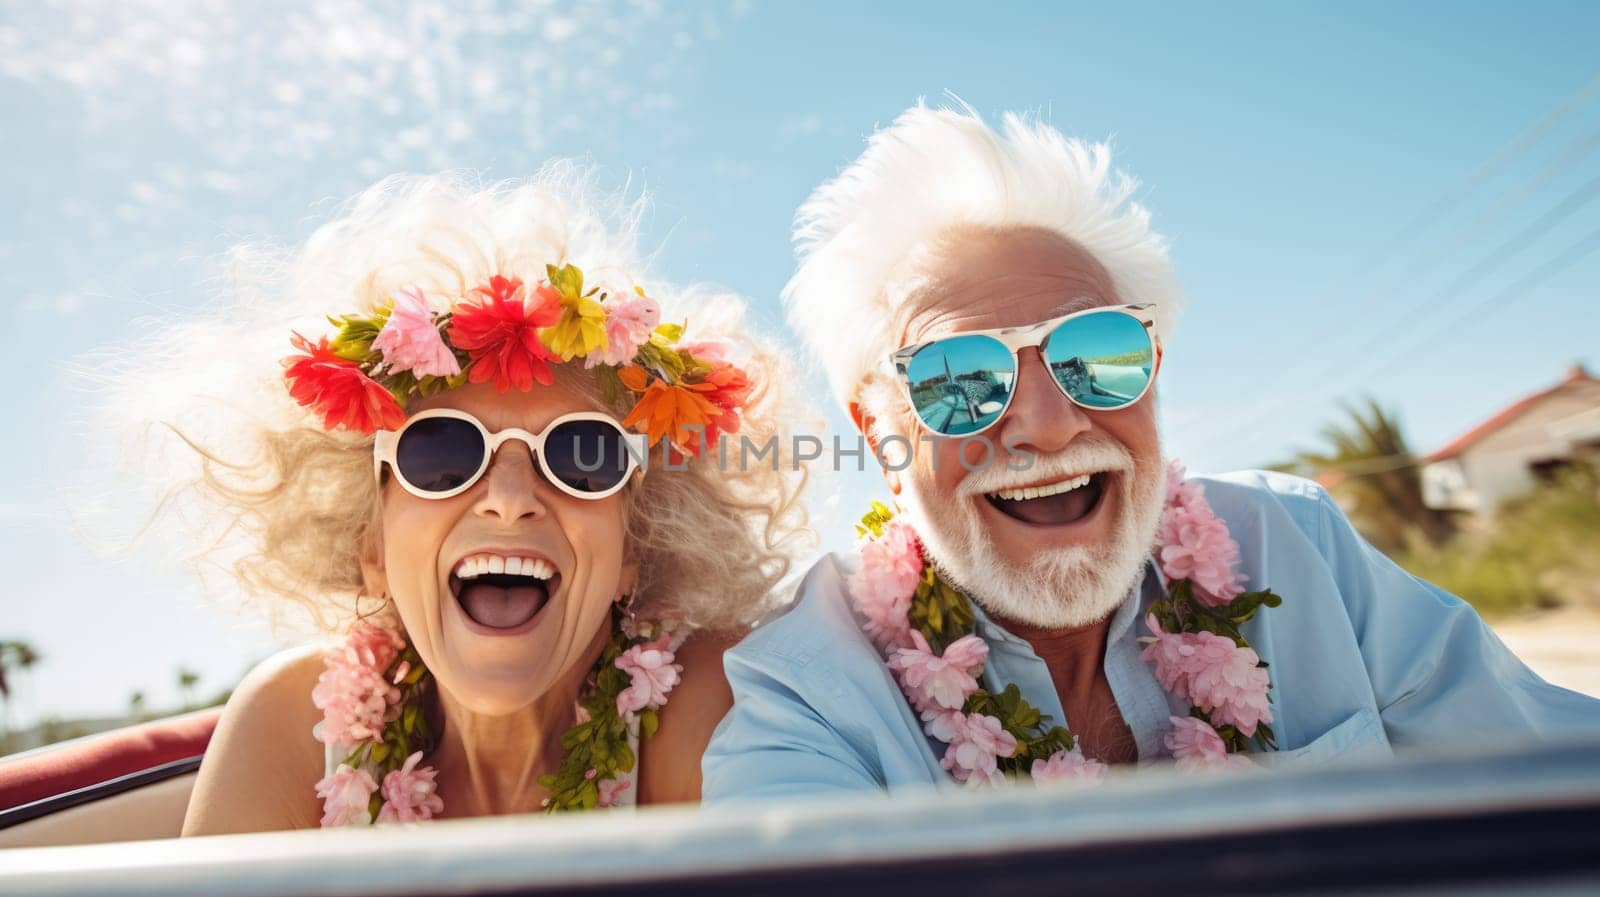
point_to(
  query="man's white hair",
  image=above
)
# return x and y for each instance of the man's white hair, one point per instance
(935, 170)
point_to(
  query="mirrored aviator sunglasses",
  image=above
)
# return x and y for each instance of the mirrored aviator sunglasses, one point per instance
(442, 452)
(1102, 359)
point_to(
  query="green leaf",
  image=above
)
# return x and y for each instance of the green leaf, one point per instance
(1245, 605)
(380, 753)
(649, 724)
(694, 370)
(576, 735)
(663, 359)
(610, 383)
(1011, 697)
(1265, 736)
(1222, 626)
(1027, 716)
(353, 339)
(611, 681)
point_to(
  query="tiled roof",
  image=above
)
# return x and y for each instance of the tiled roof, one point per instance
(1466, 440)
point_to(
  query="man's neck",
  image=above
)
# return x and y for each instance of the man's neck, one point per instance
(1075, 657)
(1079, 649)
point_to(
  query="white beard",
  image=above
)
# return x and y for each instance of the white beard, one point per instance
(1061, 588)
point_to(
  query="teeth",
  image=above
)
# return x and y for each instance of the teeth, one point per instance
(484, 564)
(1026, 492)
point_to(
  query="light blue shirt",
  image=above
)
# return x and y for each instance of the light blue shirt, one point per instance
(1363, 656)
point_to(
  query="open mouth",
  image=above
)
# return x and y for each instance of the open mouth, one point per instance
(1052, 504)
(501, 592)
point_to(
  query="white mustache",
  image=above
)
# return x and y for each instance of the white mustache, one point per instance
(1084, 455)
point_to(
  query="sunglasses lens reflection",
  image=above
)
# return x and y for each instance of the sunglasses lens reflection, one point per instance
(961, 385)
(437, 454)
(588, 456)
(1101, 360)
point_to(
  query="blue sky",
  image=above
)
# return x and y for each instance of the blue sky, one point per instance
(1349, 203)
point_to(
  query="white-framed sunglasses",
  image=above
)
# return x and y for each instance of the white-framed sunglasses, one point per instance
(442, 452)
(1102, 359)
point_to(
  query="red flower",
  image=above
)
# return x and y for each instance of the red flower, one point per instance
(728, 388)
(501, 334)
(337, 389)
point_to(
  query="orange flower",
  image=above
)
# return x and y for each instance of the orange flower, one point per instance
(668, 411)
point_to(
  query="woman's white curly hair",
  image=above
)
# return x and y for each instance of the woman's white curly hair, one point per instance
(288, 506)
(934, 171)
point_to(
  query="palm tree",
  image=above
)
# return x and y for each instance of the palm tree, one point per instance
(1369, 466)
(136, 705)
(14, 656)
(187, 679)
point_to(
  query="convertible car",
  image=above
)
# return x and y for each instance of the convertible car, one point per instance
(128, 784)
(1523, 820)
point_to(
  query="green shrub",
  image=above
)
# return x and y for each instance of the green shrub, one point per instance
(1540, 550)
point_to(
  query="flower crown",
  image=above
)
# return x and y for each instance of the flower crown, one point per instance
(505, 334)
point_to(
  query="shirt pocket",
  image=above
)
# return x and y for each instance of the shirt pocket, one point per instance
(1361, 733)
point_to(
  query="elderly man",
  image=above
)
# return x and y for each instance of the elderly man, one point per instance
(1051, 597)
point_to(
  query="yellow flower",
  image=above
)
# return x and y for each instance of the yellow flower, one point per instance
(581, 329)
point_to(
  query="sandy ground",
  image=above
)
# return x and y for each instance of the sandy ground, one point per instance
(1562, 645)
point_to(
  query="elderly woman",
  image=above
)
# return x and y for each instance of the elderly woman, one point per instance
(489, 468)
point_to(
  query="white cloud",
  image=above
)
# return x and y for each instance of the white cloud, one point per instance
(730, 170)
(220, 181)
(800, 126)
(560, 28)
(67, 304)
(330, 83)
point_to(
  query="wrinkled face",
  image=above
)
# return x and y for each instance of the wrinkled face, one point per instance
(1066, 551)
(503, 589)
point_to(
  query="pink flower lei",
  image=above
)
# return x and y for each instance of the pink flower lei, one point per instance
(924, 629)
(371, 697)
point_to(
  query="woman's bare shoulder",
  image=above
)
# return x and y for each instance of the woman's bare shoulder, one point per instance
(697, 704)
(262, 765)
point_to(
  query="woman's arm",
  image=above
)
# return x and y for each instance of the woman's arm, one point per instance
(261, 768)
(670, 762)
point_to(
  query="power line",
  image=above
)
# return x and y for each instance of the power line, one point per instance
(1575, 153)
(1510, 294)
(1520, 144)
(1507, 296)
(1516, 147)
(1376, 464)
(1462, 235)
(1513, 246)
